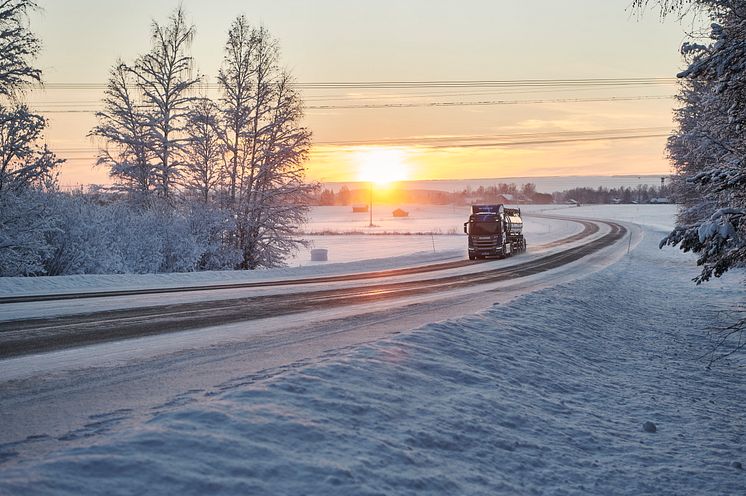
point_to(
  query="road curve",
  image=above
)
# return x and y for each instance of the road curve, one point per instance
(49, 334)
(589, 228)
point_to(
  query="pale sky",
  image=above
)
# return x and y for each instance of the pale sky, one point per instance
(413, 40)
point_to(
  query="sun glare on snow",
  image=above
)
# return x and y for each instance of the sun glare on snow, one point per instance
(382, 166)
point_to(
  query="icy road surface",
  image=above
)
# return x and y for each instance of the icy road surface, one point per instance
(546, 394)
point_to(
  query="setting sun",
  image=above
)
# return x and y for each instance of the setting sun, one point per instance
(382, 165)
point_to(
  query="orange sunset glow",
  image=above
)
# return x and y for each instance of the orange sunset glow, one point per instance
(551, 104)
(382, 165)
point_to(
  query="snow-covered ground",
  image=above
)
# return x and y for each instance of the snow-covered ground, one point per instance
(656, 217)
(544, 395)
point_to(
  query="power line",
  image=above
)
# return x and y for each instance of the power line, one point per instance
(519, 139)
(488, 83)
(488, 102)
(357, 97)
(457, 83)
(369, 106)
(453, 139)
(376, 95)
(407, 94)
(552, 142)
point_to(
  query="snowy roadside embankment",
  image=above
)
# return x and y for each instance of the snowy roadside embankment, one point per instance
(545, 395)
(14, 286)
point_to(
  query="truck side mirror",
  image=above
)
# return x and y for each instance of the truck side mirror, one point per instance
(466, 231)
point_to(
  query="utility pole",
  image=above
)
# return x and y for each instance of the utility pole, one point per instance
(370, 208)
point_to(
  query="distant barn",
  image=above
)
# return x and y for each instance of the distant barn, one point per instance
(507, 198)
(360, 209)
(400, 213)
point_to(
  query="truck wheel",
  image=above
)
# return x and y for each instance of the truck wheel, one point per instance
(472, 257)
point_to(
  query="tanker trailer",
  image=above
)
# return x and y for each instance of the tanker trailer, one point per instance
(494, 231)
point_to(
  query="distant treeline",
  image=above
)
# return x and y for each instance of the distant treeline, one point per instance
(642, 193)
(509, 193)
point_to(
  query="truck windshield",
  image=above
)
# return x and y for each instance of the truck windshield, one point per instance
(484, 228)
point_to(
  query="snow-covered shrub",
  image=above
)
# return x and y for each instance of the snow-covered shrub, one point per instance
(53, 233)
(26, 222)
(83, 239)
(212, 229)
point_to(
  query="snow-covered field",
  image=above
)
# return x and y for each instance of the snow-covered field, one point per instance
(544, 395)
(428, 230)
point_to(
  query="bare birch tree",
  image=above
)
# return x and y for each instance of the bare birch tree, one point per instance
(204, 152)
(125, 129)
(165, 77)
(267, 147)
(235, 80)
(281, 196)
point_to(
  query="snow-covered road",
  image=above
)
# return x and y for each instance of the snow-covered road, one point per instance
(544, 393)
(79, 381)
(86, 320)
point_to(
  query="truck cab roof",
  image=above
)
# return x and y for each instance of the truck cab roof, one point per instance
(487, 209)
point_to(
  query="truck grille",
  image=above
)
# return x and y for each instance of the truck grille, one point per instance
(485, 244)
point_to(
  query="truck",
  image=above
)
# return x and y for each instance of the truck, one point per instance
(494, 231)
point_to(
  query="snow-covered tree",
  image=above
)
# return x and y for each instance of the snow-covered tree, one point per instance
(267, 147)
(25, 160)
(125, 129)
(242, 157)
(280, 196)
(27, 166)
(237, 83)
(204, 150)
(165, 77)
(18, 47)
(708, 150)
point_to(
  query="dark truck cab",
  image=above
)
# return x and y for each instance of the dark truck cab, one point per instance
(494, 231)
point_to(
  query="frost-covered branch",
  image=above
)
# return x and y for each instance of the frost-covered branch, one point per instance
(18, 47)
